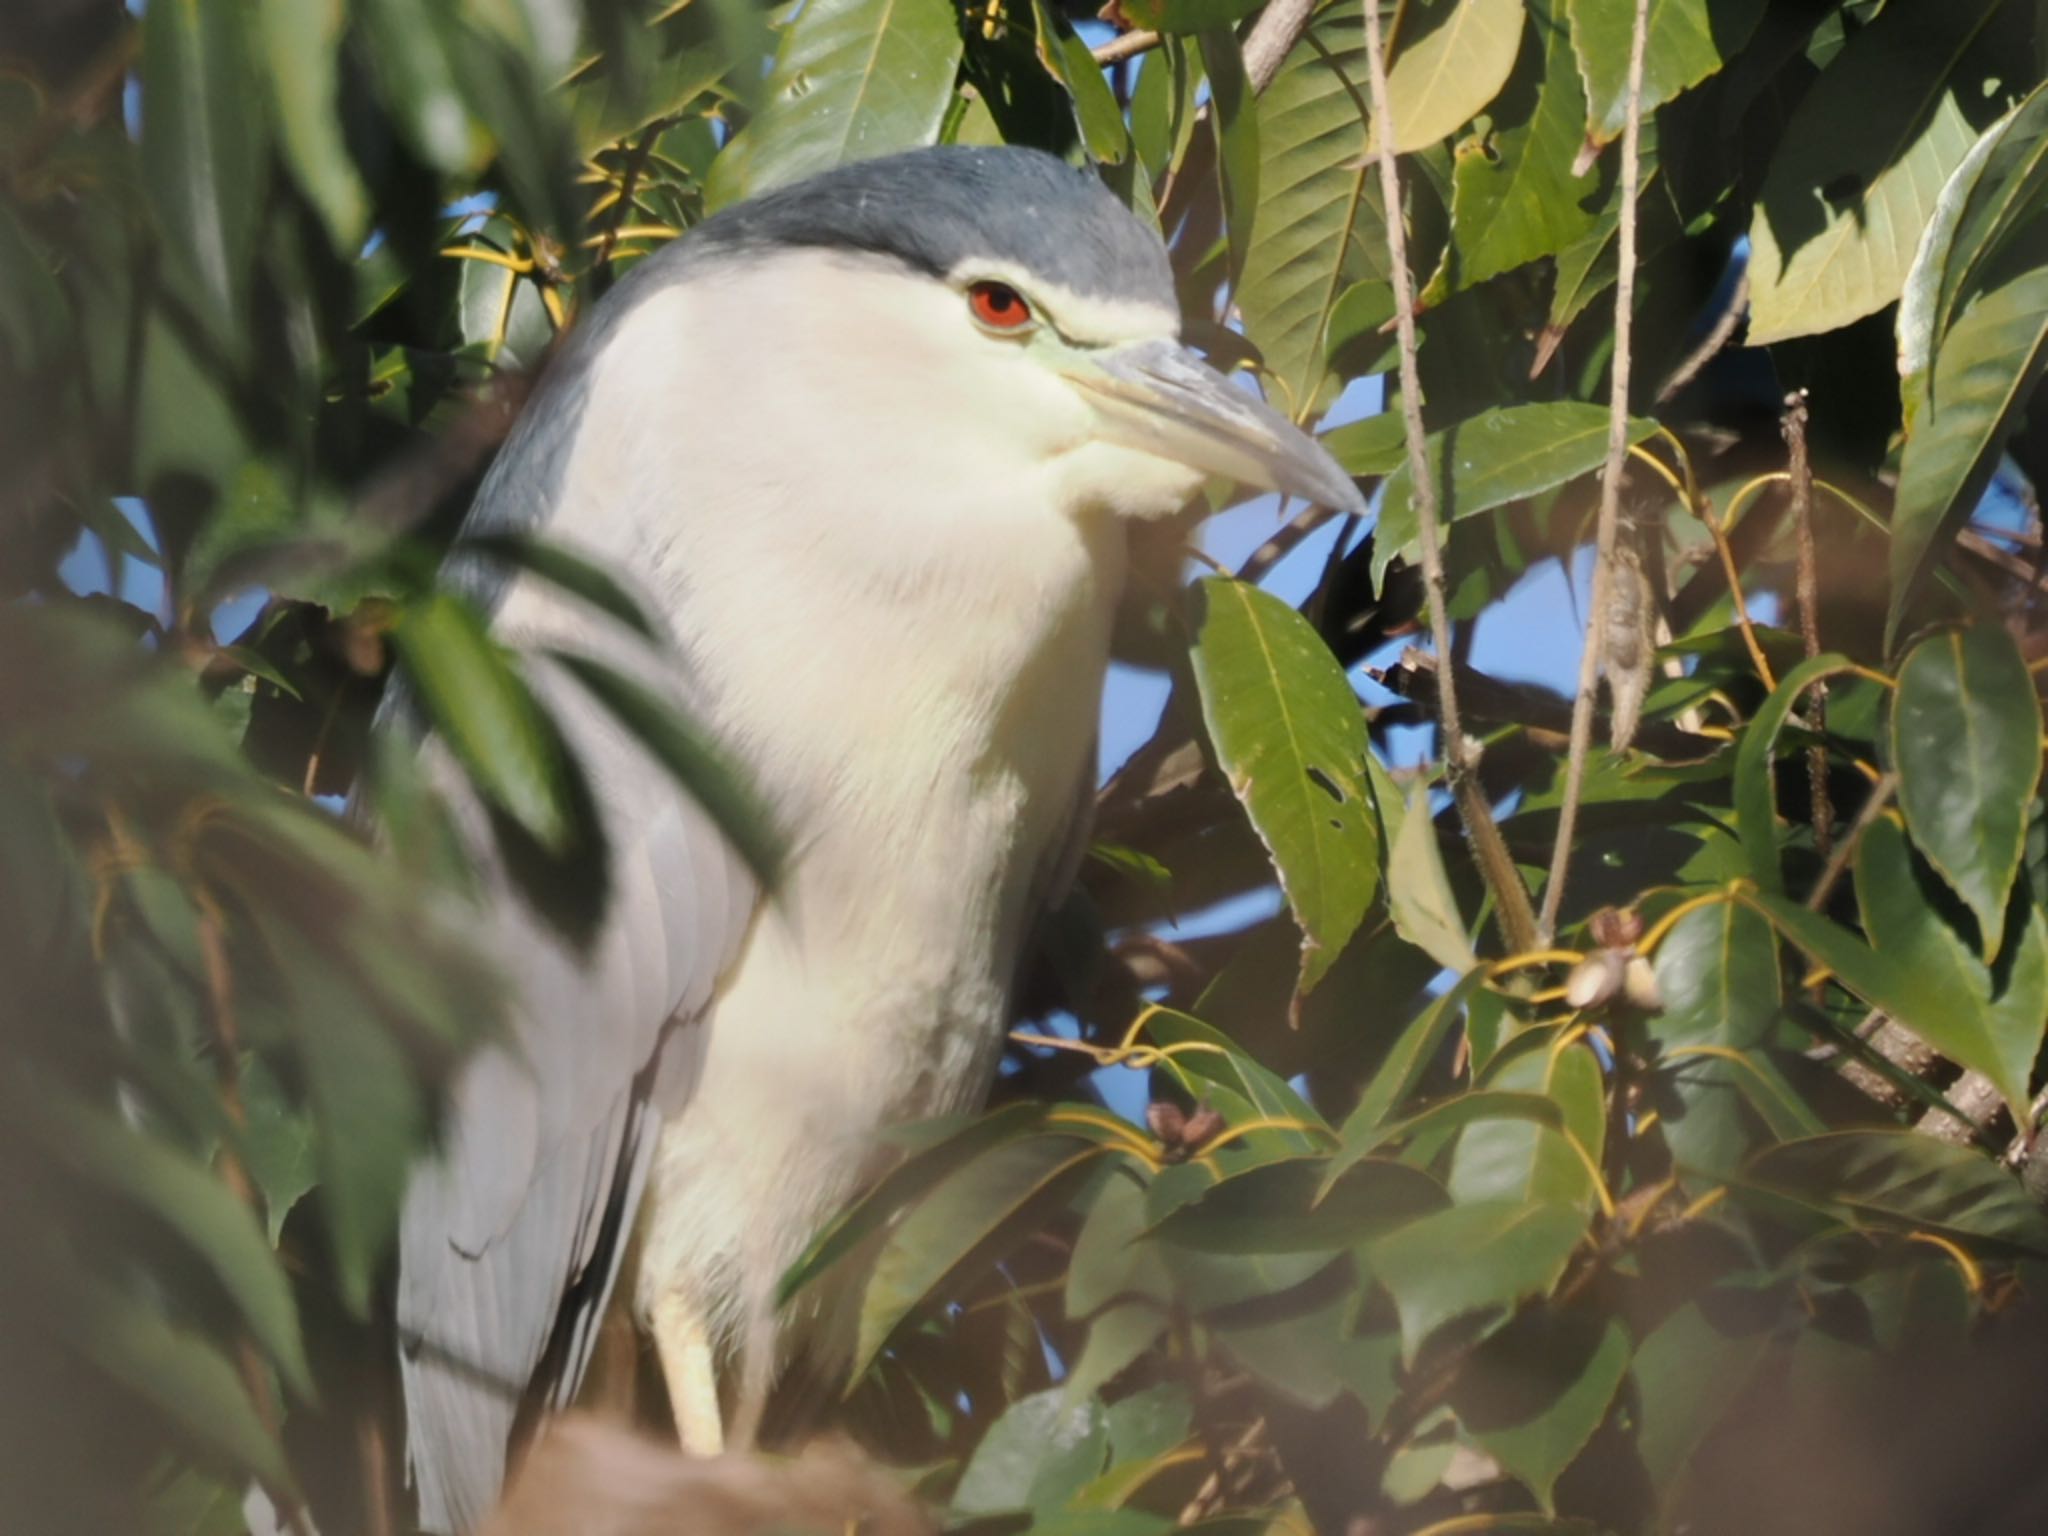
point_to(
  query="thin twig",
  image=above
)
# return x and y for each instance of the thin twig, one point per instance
(1283, 543)
(1517, 920)
(1610, 488)
(1127, 45)
(1838, 861)
(1808, 592)
(1711, 344)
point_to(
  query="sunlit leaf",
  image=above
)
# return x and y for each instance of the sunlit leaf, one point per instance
(1289, 734)
(1687, 41)
(300, 41)
(852, 79)
(1451, 59)
(1067, 59)
(1717, 974)
(1036, 1456)
(1846, 197)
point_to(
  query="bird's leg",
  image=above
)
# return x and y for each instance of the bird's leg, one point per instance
(689, 1364)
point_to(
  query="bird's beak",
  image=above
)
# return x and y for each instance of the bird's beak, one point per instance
(1159, 397)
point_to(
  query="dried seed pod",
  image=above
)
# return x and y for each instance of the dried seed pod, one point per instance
(1615, 927)
(1167, 1120)
(1595, 979)
(1201, 1128)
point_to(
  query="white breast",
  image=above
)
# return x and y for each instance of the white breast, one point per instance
(902, 636)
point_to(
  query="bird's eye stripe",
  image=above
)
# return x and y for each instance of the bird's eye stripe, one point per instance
(998, 306)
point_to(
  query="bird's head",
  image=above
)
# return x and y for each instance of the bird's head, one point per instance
(1028, 321)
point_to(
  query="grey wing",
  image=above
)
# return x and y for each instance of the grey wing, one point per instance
(511, 1239)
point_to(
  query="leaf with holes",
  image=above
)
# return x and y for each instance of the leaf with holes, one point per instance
(852, 79)
(1845, 201)
(1290, 737)
(1687, 40)
(1966, 742)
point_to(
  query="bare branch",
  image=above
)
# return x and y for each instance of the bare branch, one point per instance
(1711, 344)
(1272, 38)
(1517, 920)
(1127, 46)
(1801, 472)
(1610, 485)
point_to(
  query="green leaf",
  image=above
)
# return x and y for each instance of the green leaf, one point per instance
(1534, 1393)
(1903, 1181)
(1419, 898)
(1966, 742)
(414, 44)
(488, 716)
(1400, 1073)
(1847, 196)
(34, 316)
(1290, 737)
(1957, 424)
(1359, 340)
(920, 1170)
(1514, 196)
(189, 1199)
(1500, 1158)
(1717, 973)
(696, 764)
(561, 567)
(203, 149)
(1185, 16)
(177, 1372)
(1284, 1208)
(1036, 1456)
(852, 79)
(278, 1146)
(1687, 41)
(1688, 1373)
(1235, 108)
(1377, 445)
(301, 51)
(1996, 189)
(1756, 798)
(1920, 972)
(1116, 1338)
(1441, 78)
(1472, 1258)
(1068, 60)
(1318, 218)
(982, 1206)
(1494, 458)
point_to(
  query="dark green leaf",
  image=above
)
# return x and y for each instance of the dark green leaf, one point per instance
(1717, 973)
(1904, 1181)
(277, 1146)
(983, 1205)
(1472, 1258)
(559, 566)
(1688, 1373)
(1535, 1392)
(1067, 59)
(1184, 16)
(1756, 799)
(1966, 742)
(1290, 736)
(301, 49)
(1496, 457)
(192, 1201)
(203, 149)
(1401, 1072)
(1036, 1456)
(484, 710)
(1235, 108)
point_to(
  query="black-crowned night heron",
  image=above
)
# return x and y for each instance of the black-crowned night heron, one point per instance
(868, 445)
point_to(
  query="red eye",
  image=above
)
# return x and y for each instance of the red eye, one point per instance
(998, 306)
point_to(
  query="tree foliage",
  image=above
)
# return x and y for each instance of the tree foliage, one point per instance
(1418, 1228)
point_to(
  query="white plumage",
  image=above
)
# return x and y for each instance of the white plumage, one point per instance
(888, 538)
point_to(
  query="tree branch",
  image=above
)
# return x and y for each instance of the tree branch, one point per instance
(1610, 487)
(1461, 764)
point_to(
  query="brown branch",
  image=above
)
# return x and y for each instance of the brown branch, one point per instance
(1880, 796)
(1461, 757)
(1272, 38)
(1800, 471)
(1711, 345)
(1610, 487)
(1128, 45)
